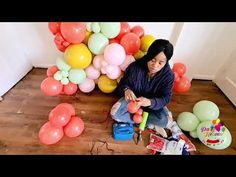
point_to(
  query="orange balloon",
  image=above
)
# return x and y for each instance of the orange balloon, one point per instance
(137, 118)
(75, 127)
(59, 116)
(132, 107)
(138, 30)
(70, 88)
(54, 27)
(73, 32)
(183, 85)
(179, 68)
(68, 106)
(131, 43)
(52, 70)
(51, 87)
(49, 134)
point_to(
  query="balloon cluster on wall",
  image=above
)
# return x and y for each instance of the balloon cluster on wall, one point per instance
(204, 123)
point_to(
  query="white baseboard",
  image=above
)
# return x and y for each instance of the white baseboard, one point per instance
(43, 65)
(204, 77)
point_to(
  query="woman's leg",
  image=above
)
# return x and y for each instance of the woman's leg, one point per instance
(119, 111)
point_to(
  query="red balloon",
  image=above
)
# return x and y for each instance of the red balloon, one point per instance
(52, 70)
(75, 127)
(68, 106)
(139, 112)
(131, 43)
(73, 32)
(179, 68)
(138, 30)
(124, 28)
(132, 107)
(59, 116)
(51, 87)
(49, 134)
(70, 88)
(177, 78)
(183, 85)
(137, 118)
(113, 41)
(60, 42)
(54, 27)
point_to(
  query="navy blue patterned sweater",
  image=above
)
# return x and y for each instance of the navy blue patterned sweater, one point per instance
(158, 89)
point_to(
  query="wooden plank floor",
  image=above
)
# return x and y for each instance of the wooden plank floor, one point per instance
(25, 109)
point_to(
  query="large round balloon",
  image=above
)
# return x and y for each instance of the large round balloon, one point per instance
(50, 135)
(70, 88)
(114, 54)
(110, 29)
(212, 137)
(77, 76)
(75, 127)
(138, 30)
(78, 56)
(206, 110)
(146, 41)
(183, 85)
(106, 85)
(59, 116)
(68, 106)
(51, 87)
(113, 71)
(73, 32)
(187, 121)
(131, 43)
(97, 43)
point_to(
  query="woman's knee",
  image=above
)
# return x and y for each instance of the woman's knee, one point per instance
(118, 109)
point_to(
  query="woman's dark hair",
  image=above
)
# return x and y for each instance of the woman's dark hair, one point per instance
(159, 45)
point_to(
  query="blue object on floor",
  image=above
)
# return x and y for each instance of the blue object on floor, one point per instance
(123, 131)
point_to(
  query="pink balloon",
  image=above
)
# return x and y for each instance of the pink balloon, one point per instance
(75, 127)
(49, 134)
(104, 64)
(114, 73)
(52, 70)
(97, 61)
(138, 30)
(92, 73)
(128, 60)
(114, 54)
(87, 85)
(51, 87)
(70, 88)
(59, 116)
(68, 106)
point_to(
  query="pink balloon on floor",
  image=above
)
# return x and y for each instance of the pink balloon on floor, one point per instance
(68, 106)
(59, 116)
(114, 54)
(75, 127)
(92, 72)
(87, 85)
(49, 134)
(51, 87)
(128, 60)
(70, 88)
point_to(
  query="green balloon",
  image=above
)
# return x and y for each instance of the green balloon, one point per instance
(64, 73)
(58, 76)
(213, 139)
(206, 110)
(97, 43)
(110, 29)
(62, 65)
(95, 27)
(193, 134)
(77, 76)
(65, 81)
(187, 121)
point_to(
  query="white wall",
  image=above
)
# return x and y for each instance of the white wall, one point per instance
(204, 47)
(13, 58)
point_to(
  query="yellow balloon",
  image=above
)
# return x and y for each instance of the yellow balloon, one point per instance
(106, 85)
(78, 56)
(139, 54)
(88, 34)
(146, 41)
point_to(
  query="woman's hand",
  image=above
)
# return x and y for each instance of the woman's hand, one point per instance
(129, 95)
(142, 101)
